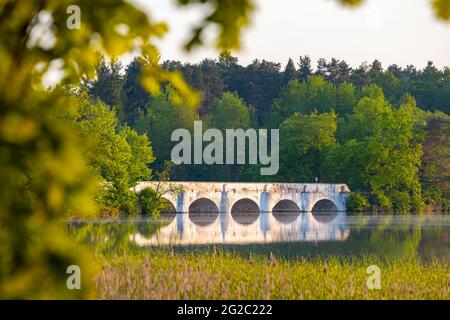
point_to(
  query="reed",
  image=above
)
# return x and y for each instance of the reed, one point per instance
(162, 274)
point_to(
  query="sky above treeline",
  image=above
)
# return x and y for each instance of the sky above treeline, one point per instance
(401, 31)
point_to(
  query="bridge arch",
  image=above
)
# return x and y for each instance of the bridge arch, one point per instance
(325, 210)
(203, 205)
(168, 207)
(325, 205)
(245, 211)
(203, 211)
(286, 211)
(168, 210)
(285, 205)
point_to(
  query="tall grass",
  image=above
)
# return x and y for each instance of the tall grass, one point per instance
(162, 274)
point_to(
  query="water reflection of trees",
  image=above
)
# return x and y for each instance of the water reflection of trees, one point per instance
(112, 235)
(385, 238)
(394, 237)
(435, 242)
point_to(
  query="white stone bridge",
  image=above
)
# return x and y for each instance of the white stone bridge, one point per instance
(219, 212)
(249, 197)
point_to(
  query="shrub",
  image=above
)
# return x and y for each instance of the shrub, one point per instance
(381, 201)
(118, 198)
(435, 196)
(401, 201)
(357, 202)
(148, 202)
(417, 202)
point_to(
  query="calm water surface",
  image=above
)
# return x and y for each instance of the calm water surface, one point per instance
(424, 237)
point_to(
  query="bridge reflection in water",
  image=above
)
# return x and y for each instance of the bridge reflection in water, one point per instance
(265, 227)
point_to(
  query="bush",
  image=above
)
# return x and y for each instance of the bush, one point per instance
(357, 202)
(435, 196)
(148, 202)
(417, 202)
(381, 201)
(118, 199)
(401, 201)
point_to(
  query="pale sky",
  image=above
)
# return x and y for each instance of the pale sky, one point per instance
(393, 31)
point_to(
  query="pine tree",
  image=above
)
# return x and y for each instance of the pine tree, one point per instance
(289, 71)
(305, 69)
(322, 68)
(107, 86)
(134, 95)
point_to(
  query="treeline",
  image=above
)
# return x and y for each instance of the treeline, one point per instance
(378, 130)
(260, 82)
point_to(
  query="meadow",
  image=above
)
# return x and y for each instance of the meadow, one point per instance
(165, 274)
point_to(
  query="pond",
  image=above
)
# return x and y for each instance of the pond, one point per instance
(288, 235)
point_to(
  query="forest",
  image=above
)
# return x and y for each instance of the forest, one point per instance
(384, 132)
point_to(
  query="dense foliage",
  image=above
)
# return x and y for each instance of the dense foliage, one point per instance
(357, 202)
(261, 82)
(117, 157)
(377, 130)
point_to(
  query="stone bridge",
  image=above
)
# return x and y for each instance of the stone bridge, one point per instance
(249, 197)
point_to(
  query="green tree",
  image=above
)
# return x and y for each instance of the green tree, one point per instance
(390, 84)
(228, 112)
(304, 68)
(429, 86)
(346, 99)
(151, 201)
(380, 152)
(344, 71)
(289, 71)
(303, 139)
(435, 169)
(375, 70)
(107, 84)
(207, 79)
(141, 155)
(118, 157)
(360, 76)
(314, 94)
(134, 96)
(261, 83)
(357, 202)
(333, 71)
(442, 95)
(163, 116)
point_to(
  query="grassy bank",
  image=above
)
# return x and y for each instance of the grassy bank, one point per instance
(166, 275)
